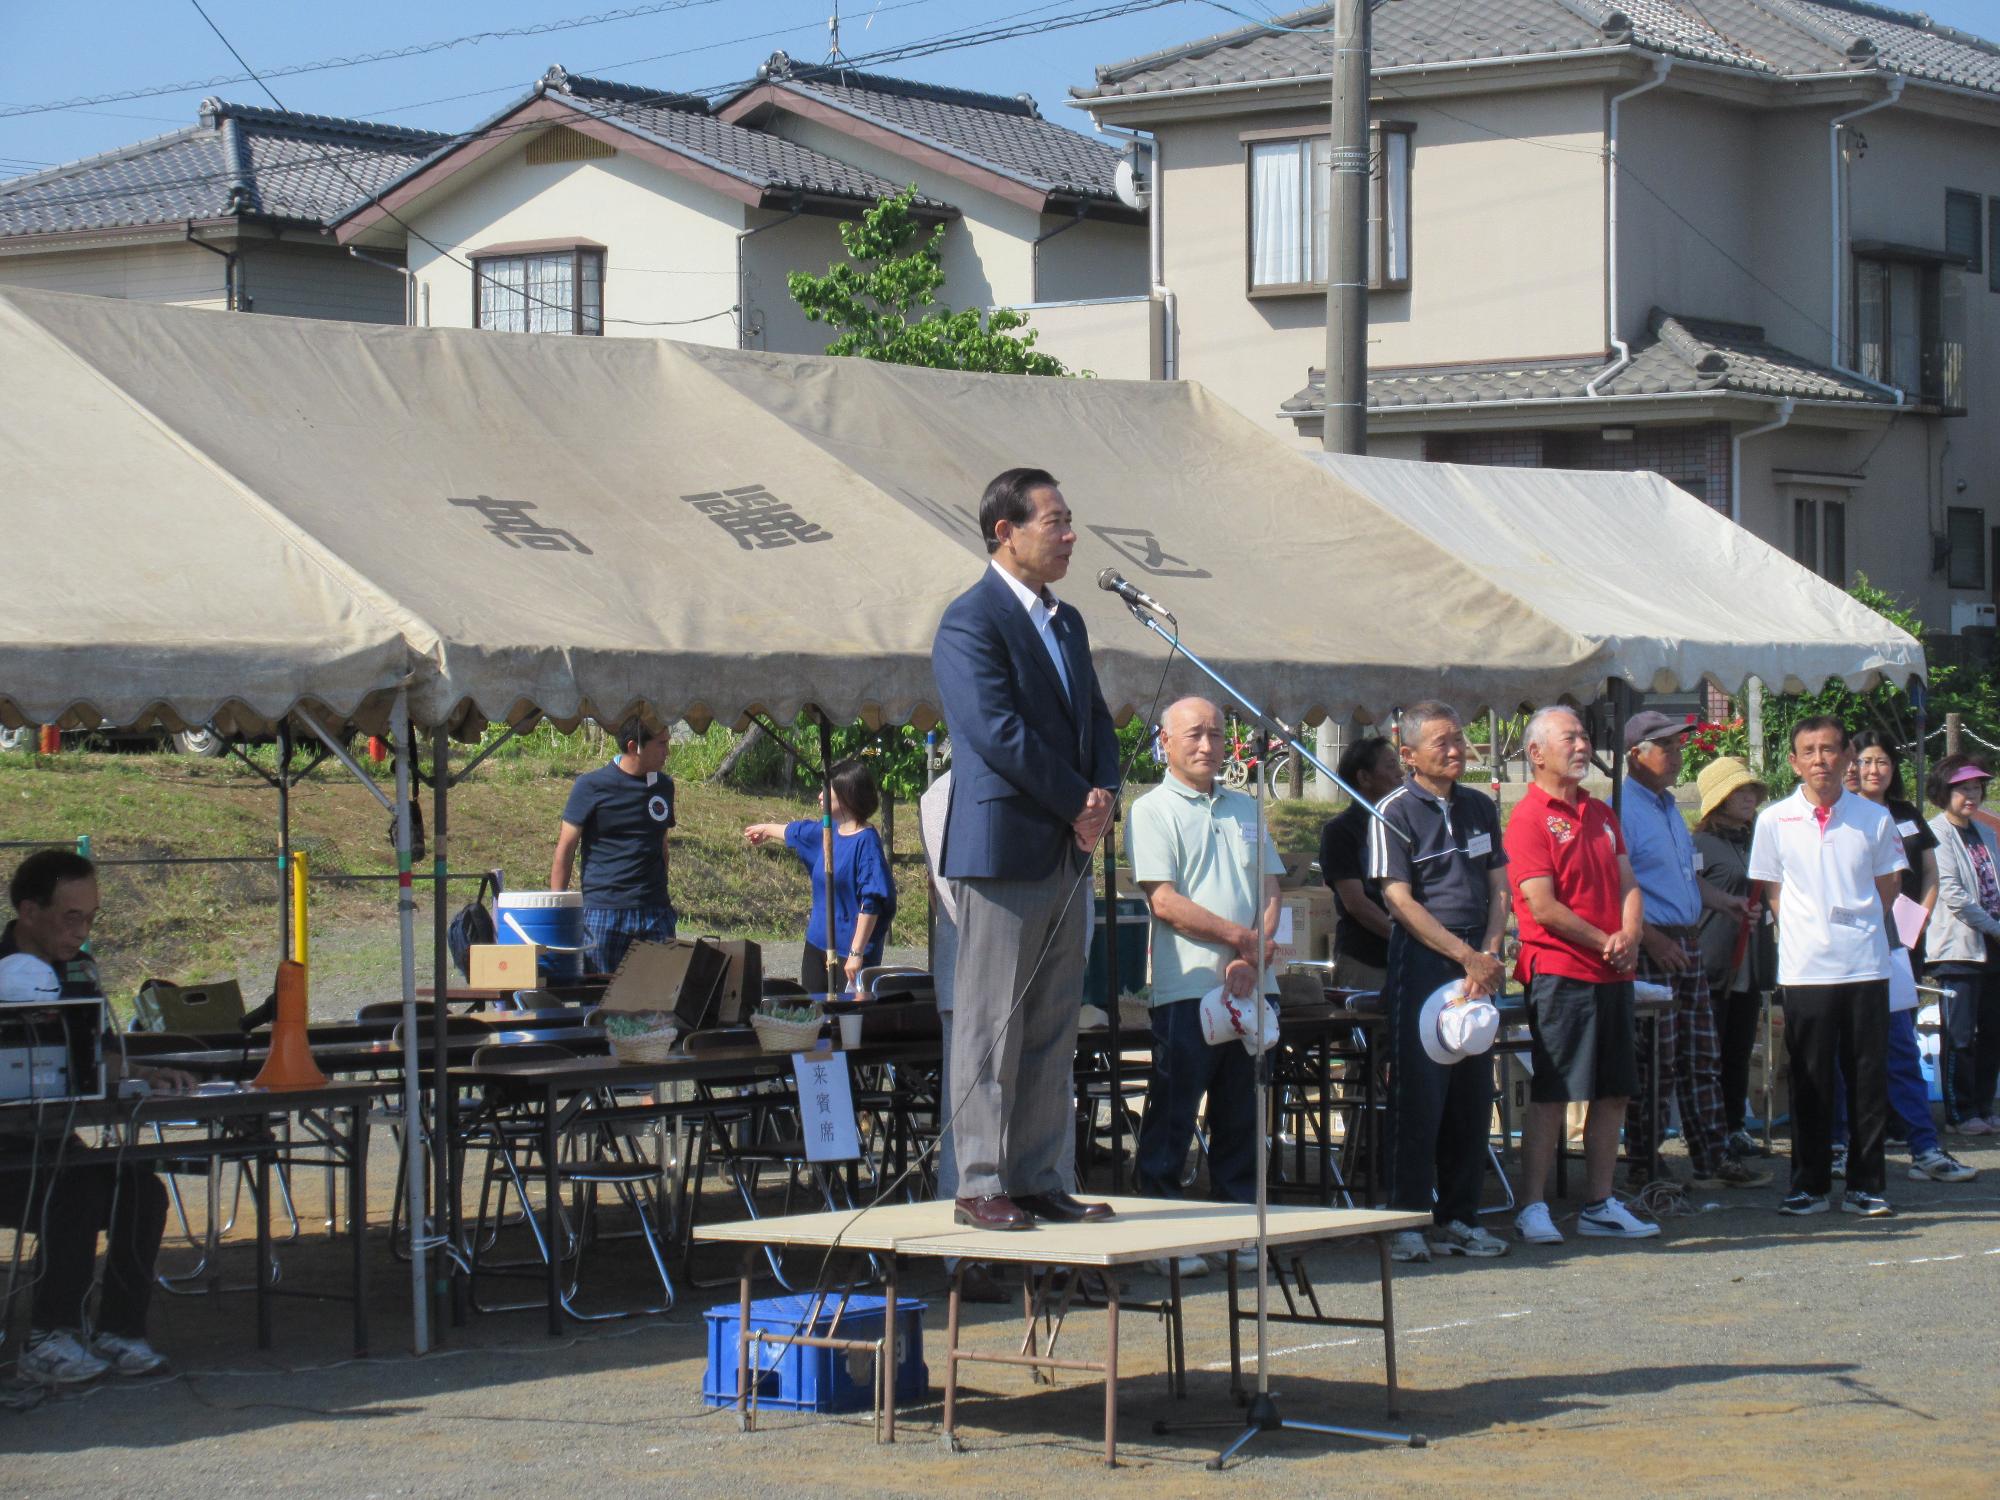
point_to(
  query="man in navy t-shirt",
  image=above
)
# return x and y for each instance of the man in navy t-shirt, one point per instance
(620, 815)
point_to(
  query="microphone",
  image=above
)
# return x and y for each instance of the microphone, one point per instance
(1110, 581)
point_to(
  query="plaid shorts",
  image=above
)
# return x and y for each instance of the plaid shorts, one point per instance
(609, 930)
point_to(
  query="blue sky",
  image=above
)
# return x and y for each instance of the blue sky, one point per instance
(91, 47)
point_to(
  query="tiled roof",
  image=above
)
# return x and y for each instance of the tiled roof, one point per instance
(682, 123)
(1005, 135)
(1684, 356)
(1772, 38)
(238, 161)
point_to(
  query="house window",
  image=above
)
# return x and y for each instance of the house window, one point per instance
(1965, 530)
(1962, 228)
(1290, 179)
(1909, 328)
(1819, 538)
(550, 291)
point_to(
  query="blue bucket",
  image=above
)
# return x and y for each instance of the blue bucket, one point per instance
(553, 919)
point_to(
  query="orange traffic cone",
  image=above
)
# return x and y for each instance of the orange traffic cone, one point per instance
(290, 1064)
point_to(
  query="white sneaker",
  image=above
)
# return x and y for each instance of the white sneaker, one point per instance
(1938, 1165)
(1409, 1245)
(1246, 1259)
(128, 1356)
(1457, 1238)
(1535, 1227)
(1612, 1220)
(58, 1358)
(1190, 1265)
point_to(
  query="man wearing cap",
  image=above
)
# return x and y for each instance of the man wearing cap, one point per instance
(1214, 898)
(55, 901)
(1443, 873)
(1580, 914)
(1829, 861)
(1684, 1061)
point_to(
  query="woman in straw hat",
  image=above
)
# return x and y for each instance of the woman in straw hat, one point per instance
(1736, 946)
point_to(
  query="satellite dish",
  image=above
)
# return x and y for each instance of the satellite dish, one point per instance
(1131, 190)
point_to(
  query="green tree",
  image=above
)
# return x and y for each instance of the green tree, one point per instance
(883, 299)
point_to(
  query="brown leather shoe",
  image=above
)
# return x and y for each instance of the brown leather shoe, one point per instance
(1061, 1208)
(996, 1211)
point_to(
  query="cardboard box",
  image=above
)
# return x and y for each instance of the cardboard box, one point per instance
(191, 1008)
(1300, 873)
(1311, 911)
(504, 966)
(682, 977)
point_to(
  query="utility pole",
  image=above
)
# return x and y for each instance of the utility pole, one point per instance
(1344, 422)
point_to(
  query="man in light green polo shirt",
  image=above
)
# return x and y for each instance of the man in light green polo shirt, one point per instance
(1193, 844)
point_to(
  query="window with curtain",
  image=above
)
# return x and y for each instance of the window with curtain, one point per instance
(558, 291)
(1965, 531)
(1963, 229)
(1290, 183)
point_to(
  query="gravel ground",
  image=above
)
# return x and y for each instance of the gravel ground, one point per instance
(1740, 1353)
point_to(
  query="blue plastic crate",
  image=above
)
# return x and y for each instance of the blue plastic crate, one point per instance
(795, 1377)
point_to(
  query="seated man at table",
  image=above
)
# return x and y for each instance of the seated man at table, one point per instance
(65, 1204)
(1193, 849)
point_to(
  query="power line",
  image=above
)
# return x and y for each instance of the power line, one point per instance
(332, 64)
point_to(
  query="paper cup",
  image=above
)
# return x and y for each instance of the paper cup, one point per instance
(850, 1032)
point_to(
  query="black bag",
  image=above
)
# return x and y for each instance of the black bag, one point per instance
(473, 924)
(699, 1002)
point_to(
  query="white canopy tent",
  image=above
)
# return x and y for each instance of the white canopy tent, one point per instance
(256, 520)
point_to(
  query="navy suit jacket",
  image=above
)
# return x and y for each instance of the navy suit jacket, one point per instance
(1024, 754)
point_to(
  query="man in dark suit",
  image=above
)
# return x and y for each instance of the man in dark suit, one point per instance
(1034, 770)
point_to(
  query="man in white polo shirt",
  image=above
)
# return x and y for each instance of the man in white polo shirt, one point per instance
(1194, 852)
(1829, 859)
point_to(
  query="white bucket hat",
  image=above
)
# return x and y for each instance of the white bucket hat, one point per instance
(1452, 1031)
(1225, 1018)
(27, 980)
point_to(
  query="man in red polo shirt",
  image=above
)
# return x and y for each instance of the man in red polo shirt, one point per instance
(1580, 917)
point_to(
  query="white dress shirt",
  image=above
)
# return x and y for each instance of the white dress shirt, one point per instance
(1041, 610)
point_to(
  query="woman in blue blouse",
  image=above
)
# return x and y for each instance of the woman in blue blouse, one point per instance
(864, 894)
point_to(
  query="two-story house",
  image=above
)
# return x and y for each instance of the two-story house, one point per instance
(229, 213)
(1744, 243)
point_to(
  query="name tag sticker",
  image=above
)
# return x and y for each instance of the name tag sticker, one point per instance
(1699, 863)
(1479, 844)
(1907, 828)
(1847, 916)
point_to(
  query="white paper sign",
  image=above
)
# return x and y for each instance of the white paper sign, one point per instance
(1283, 936)
(826, 1106)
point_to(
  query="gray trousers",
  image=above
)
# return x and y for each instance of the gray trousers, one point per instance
(1012, 1089)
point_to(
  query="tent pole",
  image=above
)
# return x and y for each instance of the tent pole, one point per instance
(826, 842)
(1117, 1041)
(413, 1103)
(1624, 704)
(443, 1159)
(284, 838)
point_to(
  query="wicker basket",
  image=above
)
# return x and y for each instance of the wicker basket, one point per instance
(774, 1035)
(651, 1047)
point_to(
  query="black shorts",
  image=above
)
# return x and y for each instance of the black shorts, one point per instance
(1583, 1040)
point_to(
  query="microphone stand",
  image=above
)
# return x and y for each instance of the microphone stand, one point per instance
(1263, 1414)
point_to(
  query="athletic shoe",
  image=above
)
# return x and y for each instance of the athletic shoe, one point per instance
(1798, 1205)
(1458, 1238)
(1535, 1227)
(1246, 1259)
(1191, 1265)
(1409, 1245)
(1840, 1164)
(1743, 1143)
(1612, 1220)
(1939, 1165)
(1732, 1172)
(1868, 1205)
(128, 1356)
(1973, 1125)
(58, 1358)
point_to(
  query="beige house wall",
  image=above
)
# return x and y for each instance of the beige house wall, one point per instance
(1110, 338)
(1506, 245)
(179, 274)
(670, 245)
(807, 243)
